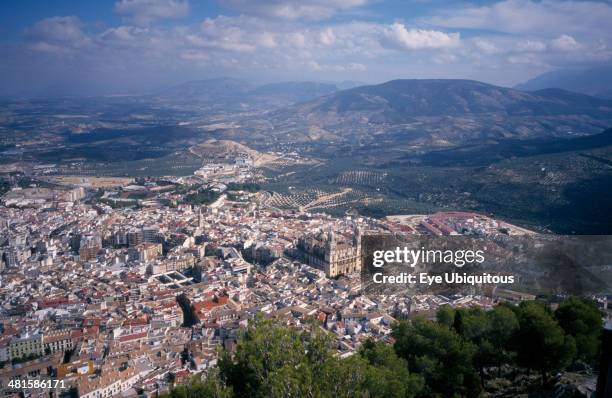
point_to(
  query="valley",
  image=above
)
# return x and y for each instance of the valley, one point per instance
(540, 159)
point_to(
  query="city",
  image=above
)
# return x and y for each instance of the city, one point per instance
(306, 198)
(134, 299)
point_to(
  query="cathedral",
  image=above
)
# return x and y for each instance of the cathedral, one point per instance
(336, 255)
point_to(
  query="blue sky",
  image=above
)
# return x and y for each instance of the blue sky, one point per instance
(135, 46)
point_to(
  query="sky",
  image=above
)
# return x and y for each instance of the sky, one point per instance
(109, 47)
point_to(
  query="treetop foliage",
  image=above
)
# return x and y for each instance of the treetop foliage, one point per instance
(449, 357)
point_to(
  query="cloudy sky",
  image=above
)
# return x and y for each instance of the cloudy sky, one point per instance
(134, 46)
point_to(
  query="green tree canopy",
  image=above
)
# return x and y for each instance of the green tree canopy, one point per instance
(541, 343)
(427, 359)
(490, 332)
(210, 387)
(272, 360)
(446, 315)
(388, 374)
(266, 353)
(440, 355)
(581, 319)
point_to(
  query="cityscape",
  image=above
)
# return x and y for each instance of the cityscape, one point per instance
(131, 299)
(189, 192)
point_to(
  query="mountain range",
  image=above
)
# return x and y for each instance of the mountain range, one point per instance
(596, 81)
(438, 111)
(444, 112)
(404, 146)
(230, 92)
(400, 100)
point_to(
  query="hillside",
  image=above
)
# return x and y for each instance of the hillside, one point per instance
(490, 152)
(232, 92)
(399, 100)
(212, 149)
(595, 81)
(205, 90)
(293, 92)
(447, 112)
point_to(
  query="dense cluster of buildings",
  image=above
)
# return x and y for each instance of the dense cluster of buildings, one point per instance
(37, 196)
(451, 223)
(232, 169)
(132, 300)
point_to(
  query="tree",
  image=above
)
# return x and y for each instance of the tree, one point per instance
(446, 315)
(541, 343)
(503, 325)
(440, 355)
(490, 332)
(344, 378)
(288, 381)
(265, 353)
(581, 319)
(209, 387)
(458, 322)
(388, 374)
(475, 326)
(272, 360)
(428, 359)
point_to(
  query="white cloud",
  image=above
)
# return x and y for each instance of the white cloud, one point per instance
(523, 59)
(356, 66)
(486, 46)
(327, 37)
(194, 55)
(58, 34)
(550, 33)
(445, 58)
(143, 12)
(545, 17)
(566, 43)
(397, 36)
(350, 67)
(267, 40)
(251, 44)
(531, 46)
(296, 39)
(60, 29)
(314, 65)
(293, 9)
(124, 34)
(223, 33)
(242, 43)
(45, 47)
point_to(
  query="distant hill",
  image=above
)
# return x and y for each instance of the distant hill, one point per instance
(605, 94)
(231, 92)
(398, 100)
(449, 111)
(292, 92)
(346, 84)
(491, 152)
(204, 90)
(595, 81)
